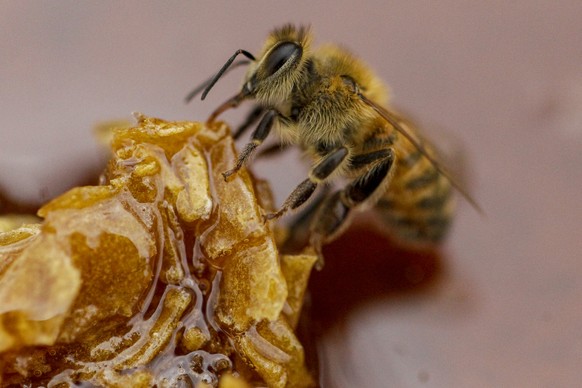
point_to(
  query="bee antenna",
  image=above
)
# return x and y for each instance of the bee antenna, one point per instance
(393, 120)
(204, 84)
(209, 83)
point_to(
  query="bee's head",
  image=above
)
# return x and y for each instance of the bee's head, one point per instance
(270, 79)
(271, 76)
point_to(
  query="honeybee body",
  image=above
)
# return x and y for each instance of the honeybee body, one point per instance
(330, 104)
(415, 200)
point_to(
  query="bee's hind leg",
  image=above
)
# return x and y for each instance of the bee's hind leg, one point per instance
(297, 232)
(333, 214)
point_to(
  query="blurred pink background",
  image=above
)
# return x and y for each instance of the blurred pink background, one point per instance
(502, 79)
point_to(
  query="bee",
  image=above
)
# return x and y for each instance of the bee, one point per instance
(330, 104)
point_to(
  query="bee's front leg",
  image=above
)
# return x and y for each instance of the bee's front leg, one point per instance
(257, 138)
(251, 119)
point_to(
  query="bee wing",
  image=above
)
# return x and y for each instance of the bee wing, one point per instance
(450, 152)
(400, 125)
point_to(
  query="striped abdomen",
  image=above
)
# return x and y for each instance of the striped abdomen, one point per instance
(418, 204)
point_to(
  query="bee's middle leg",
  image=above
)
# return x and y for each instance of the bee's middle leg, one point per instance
(318, 173)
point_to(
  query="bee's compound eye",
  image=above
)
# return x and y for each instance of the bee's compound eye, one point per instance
(280, 55)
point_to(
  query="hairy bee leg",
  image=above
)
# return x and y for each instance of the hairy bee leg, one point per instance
(333, 213)
(359, 161)
(251, 118)
(259, 135)
(319, 172)
(363, 187)
(295, 199)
